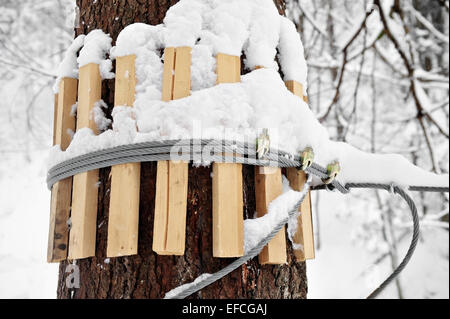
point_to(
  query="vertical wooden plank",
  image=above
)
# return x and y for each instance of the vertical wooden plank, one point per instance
(228, 202)
(228, 68)
(297, 179)
(176, 220)
(123, 220)
(304, 237)
(169, 67)
(58, 235)
(228, 220)
(125, 86)
(268, 187)
(161, 207)
(85, 185)
(182, 77)
(169, 229)
(295, 87)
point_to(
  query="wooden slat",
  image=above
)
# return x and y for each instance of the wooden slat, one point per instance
(62, 191)
(182, 77)
(304, 236)
(228, 202)
(123, 220)
(161, 207)
(169, 230)
(228, 214)
(176, 221)
(125, 86)
(305, 232)
(228, 68)
(85, 185)
(295, 87)
(268, 186)
(169, 66)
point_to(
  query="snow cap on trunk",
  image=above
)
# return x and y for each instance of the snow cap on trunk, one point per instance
(291, 54)
(97, 45)
(69, 66)
(183, 23)
(137, 36)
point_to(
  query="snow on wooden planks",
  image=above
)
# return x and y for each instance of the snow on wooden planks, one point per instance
(169, 230)
(64, 122)
(297, 179)
(123, 220)
(85, 185)
(268, 186)
(228, 202)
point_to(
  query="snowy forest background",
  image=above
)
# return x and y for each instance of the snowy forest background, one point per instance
(379, 83)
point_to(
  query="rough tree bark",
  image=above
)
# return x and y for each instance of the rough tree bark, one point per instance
(148, 275)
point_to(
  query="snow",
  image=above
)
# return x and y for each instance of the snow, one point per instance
(292, 225)
(228, 23)
(264, 36)
(395, 26)
(255, 230)
(203, 68)
(137, 37)
(180, 289)
(24, 211)
(353, 273)
(229, 111)
(292, 60)
(238, 111)
(183, 23)
(427, 24)
(99, 116)
(97, 45)
(69, 66)
(217, 26)
(73, 110)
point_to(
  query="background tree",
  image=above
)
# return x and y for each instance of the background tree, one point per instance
(380, 82)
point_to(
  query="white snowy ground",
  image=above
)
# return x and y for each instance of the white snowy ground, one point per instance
(342, 269)
(336, 272)
(24, 211)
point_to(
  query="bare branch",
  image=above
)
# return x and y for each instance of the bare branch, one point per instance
(344, 63)
(28, 68)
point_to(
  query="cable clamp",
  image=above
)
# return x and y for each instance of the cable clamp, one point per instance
(333, 171)
(263, 144)
(306, 158)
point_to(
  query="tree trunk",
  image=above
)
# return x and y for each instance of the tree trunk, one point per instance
(148, 275)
